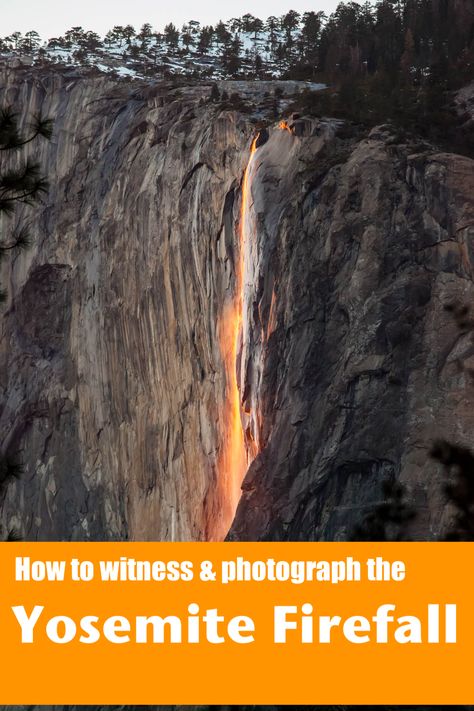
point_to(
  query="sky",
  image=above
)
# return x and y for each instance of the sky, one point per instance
(53, 17)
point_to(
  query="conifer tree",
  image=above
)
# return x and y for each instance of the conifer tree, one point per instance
(231, 59)
(129, 33)
(271, 27)
(145, 35)
(205, 39)
(171, 36)
(222, 34)
(21, 183)
(31, 41)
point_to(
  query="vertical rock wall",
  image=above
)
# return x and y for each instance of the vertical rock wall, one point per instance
(352, 363)
(111, 377)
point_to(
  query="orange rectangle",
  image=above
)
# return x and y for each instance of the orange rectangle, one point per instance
(309, 627)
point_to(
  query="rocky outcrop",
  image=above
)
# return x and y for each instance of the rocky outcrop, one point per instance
(113, 383)
(352, 362)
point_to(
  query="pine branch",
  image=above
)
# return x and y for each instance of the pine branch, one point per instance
(20, 185)
(7, 207)
(13, 536)
(41, 126)
(20, 240)
(30, 196)
(20, 179)
(24, 185)
(10, 136)
(458, 462)
(10, 468)
(388, 520)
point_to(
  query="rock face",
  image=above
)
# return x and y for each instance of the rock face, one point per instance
(352, 363)
(112, 378)
(112, 384)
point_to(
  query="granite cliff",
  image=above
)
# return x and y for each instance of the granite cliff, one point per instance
(112, 383)
(118, 341)
(358, 247)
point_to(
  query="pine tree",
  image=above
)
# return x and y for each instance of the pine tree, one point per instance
(74, 35)
(109, 39)
(235, 24)
(257, 28)
(222, 34)
(389, 519)
(310, 30)
(205, 39)
(117, 33)
(10, 468)
(19, 185)
(280, 54)
(145, 35)
(247, 22)
(289, 23)
(171, 36)
(90, 41)
(31, 41)
(129, 33)
(16, 40)
(187, 37)
(231, 59)
(271, 27)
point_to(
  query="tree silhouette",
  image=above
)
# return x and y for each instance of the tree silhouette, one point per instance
(388, 520)
(171, 36)
(458, 462)
(231, 58)
(404, 44)
(21, 183)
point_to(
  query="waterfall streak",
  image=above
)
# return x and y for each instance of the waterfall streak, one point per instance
(236, 455)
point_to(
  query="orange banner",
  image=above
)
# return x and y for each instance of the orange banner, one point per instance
(232, 623)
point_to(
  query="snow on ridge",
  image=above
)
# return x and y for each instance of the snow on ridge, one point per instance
(155, 59)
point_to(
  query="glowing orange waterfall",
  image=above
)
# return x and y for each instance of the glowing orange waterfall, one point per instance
(235, 458)
(284, 126)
